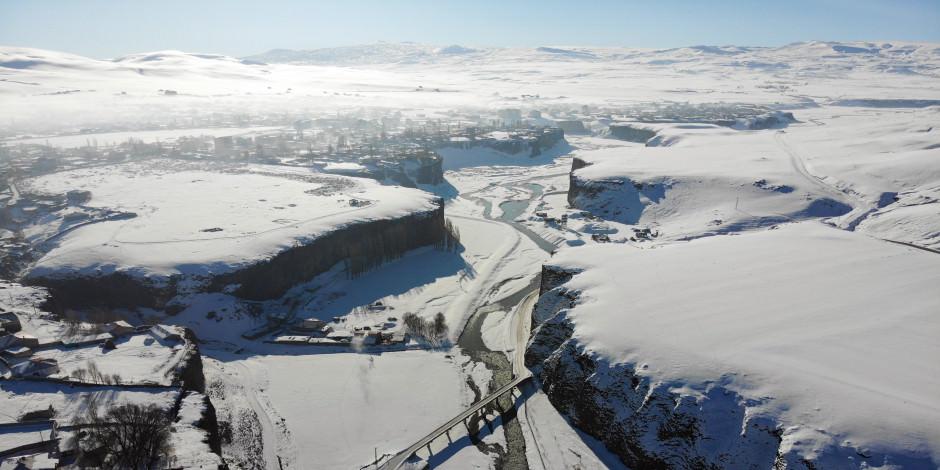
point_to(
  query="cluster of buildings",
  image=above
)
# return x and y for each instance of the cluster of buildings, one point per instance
(53, 371)
(374, 326)
(17, 348)
(316, 332)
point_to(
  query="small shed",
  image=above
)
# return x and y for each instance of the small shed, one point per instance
(26, 339)
(340, 336)
(165, 333)
(36, 368)
(84, 340)
(9, 322)
(119, 328)
(292, 339)
(312, 324)
(18, 351)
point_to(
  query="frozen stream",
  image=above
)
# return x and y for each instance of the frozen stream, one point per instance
(328, 416)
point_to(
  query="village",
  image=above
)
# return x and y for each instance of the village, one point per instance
(55, 372)
(55, 365)
(353, 330)
(390, 149)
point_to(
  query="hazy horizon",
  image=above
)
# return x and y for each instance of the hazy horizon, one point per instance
(241, 28)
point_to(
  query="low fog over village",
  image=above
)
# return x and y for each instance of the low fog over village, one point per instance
(401, 255)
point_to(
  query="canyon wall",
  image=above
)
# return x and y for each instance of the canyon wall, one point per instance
(362, 246)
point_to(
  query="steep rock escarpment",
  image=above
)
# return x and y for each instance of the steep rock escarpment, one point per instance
(631, 133)
(116, 290)
(361, 246)
(654, 424)
(643, 423)
(430, 171)
(192, 379)
(630, 193)
(575, 188)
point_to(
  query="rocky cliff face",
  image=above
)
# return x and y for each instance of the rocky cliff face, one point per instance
(190, 375)
(631, 133)
(645, 423)
(653, 424)
(430, 171)
(613, 199)
(575, 187)
(110, 291)
(361, 246)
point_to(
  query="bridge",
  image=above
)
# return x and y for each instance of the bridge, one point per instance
(522, 326)
(398, 459)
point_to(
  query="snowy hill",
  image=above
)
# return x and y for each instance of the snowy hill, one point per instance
(411, 53)
(52, 91)
(381, 53)
(788, 345)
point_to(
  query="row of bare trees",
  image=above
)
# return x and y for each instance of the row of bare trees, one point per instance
(91, 374)
(451, 239)
(434, 332)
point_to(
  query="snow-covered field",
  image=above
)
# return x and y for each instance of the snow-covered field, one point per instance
(351, 403)
(72, 402)
(830, 333)
(56, 92)
(137, 359)
(874, 169)
(194, 219)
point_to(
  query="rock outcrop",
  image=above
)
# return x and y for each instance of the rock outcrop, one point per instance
(643, 422)
(657, 424)
(361, 246)
(631, 132)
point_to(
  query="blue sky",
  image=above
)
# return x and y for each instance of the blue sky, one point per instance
(108, 28)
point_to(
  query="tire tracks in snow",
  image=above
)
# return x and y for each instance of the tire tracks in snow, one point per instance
(861, 209)
(269, 439)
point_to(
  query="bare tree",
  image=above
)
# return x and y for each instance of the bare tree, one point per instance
(440, 326)
(434, 332)
(126, 436)
(92, 374)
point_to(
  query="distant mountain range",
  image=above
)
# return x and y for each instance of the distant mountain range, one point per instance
(405, 53)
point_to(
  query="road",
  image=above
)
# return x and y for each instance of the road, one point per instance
(246, 382)
(861, 209)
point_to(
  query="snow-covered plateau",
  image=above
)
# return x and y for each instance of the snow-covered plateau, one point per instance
(200, 224)
(706, 257)
(800, 343)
